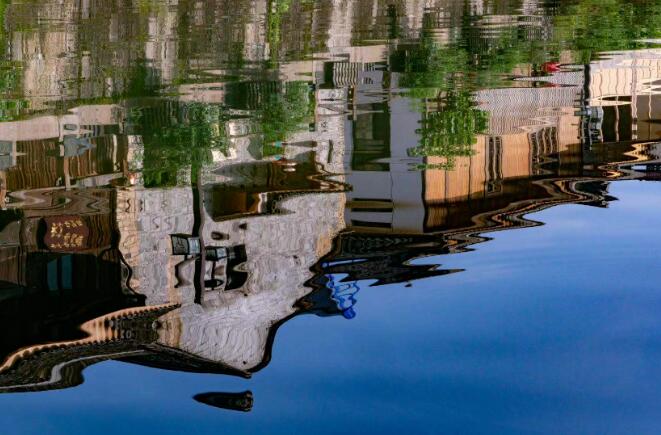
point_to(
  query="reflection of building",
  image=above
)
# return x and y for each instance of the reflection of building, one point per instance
(622, 94)
(228, 331)
(292, 246)
(530, 158)
(336, 207)
(279, 252)
(81, 148)
(60, 266)
(59, 260)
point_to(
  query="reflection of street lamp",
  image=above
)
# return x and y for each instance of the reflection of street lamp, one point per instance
(184, 244)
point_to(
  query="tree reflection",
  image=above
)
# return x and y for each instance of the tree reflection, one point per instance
(452, 130)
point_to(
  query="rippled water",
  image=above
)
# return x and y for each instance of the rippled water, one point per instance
(299, 216)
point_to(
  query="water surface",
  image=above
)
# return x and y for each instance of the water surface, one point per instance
(330, 217)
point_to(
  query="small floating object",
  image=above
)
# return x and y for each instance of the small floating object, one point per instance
(231, 401)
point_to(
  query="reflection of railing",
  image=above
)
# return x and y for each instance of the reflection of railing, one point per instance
(543, 143)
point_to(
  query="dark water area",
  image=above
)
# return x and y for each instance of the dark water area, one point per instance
(298, 216)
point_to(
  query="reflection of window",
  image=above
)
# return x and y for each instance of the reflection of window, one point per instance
(494, 186)
(495, 159)
(7, 155)
(59, 273)
(236, 278)
(357, 223)
(617, 123)
(364, 205)
(375, 200)
(371, 141)
(372, 209)
(345, 74)
(543, 143)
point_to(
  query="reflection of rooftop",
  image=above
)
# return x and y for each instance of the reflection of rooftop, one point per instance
(58, 364)
(386, 258)
(129, 335)
(382, 258)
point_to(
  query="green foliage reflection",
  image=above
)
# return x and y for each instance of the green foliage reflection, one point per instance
(282, 112)
(451, 131)
(178, 150)
(475, 59)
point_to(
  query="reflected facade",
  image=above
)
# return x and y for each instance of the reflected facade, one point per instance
(172, 195)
